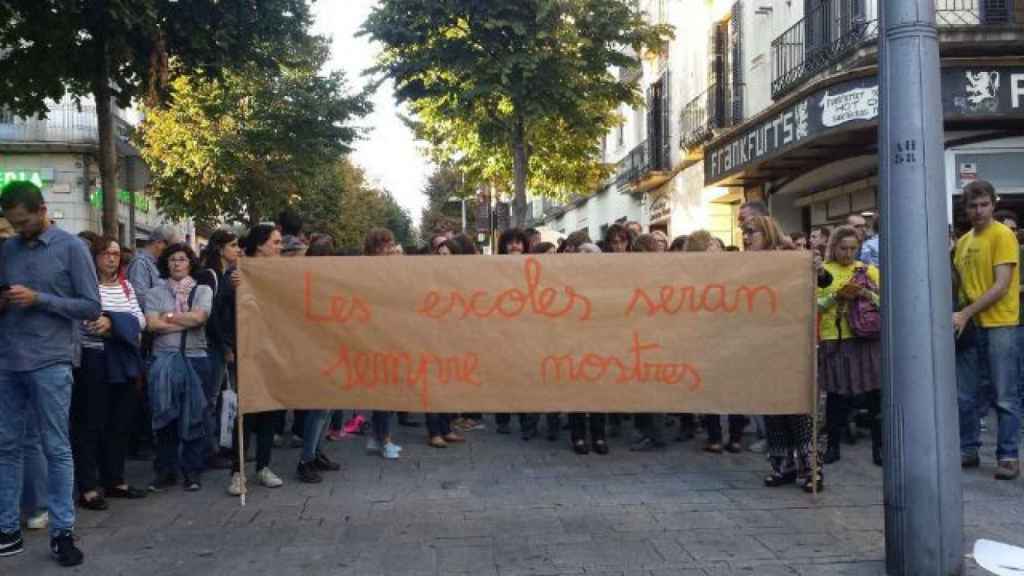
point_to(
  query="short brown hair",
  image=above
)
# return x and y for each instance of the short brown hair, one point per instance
(645, 243)
(376, 240)
(980, 188)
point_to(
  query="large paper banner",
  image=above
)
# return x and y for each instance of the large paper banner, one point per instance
(678, 332)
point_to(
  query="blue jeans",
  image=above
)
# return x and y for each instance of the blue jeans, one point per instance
(995, 348)
(33, 486)
(48, 391)
(381, 423)
(217, 368)
(312, 433)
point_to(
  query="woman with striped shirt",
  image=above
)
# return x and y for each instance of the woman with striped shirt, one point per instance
(103, 396)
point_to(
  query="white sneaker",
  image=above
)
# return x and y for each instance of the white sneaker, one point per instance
(372, 446)
(38, 521)
(759, 447)
(391, 451)
(237, 485)
(269, 479)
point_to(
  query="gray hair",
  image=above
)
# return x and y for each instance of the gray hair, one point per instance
(589, 248)
(164, 233)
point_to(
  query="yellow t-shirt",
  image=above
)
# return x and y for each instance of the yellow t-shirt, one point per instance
(841, 276)
(976, 257)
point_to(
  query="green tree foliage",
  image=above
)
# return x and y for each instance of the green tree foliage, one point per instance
(523, 90)
(443, 211)
(243, 144)
(345, 205)
(118, 50)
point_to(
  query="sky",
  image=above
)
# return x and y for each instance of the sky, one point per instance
(389, 153)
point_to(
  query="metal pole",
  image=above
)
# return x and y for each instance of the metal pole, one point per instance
(923, 498)
(463, 215)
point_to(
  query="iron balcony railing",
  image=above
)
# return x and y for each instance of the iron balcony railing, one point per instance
(836, 28)
(696, 120)
(65, 123)
(633, 167)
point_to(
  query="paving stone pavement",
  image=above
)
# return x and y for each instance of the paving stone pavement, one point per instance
(498, 506)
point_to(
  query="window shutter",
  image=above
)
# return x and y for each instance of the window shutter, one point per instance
(665, 142)
(738, 83)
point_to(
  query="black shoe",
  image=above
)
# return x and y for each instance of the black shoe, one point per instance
(552, 434)
(529, 433)
(503, 428)
(970, 460)
(63, 548)
(876, 455)
(191, 482)
(11, 543)
(308, 473)
(832, 454)
(163, 481)
(734, 447)
(580, 447)
(97, 503)
(325, 464)
(685, 434)
(601, 447)
(808, 484)
(780, 479)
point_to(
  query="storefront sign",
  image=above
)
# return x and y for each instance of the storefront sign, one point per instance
(856, 104)
(966, 93)
(33, 176)
(123, 197)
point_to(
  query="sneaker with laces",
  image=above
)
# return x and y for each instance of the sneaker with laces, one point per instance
(268, 479)
(237, 485)
(391, 451)
(38, 521)
(62, 546)
(372, 446)
(1007, 470)
(11, 543)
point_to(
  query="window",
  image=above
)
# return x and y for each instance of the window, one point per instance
(659, 126)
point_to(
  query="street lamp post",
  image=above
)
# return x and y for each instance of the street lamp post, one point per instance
(923, 498)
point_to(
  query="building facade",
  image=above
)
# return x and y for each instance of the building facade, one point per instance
(777, 100)
(60, 153)
(809, 145)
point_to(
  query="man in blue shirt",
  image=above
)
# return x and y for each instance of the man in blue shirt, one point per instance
(48, 285)
(142, 272)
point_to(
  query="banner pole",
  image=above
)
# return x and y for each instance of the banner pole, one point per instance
(241, 456)
(815, 393)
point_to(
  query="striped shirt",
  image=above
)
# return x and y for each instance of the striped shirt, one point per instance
(118, 297)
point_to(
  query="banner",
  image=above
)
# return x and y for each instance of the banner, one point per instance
(670, 332)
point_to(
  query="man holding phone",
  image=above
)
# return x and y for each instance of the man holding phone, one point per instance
(51, 286)
(986, 260)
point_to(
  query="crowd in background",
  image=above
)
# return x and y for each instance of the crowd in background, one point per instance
(109, 354)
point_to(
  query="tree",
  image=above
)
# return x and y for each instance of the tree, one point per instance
(118, 51)
(520, 89)
(445, 185)
(346, 206)
(243, 144)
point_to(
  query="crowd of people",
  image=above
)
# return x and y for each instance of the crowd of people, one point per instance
(105, 352)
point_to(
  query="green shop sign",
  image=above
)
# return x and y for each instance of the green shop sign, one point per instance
(32, 176)
(124, 197)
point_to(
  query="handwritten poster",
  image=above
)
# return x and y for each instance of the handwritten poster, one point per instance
(709, 333)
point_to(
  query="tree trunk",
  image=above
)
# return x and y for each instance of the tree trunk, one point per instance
(108, 154)
(520, 168)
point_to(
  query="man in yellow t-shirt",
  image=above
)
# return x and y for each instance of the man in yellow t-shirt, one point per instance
(986, 259)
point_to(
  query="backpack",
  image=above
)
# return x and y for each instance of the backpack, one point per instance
(863, 316)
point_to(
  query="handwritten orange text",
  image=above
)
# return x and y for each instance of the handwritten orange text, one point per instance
(341, 310)
(630, 369)
(369, 370)
(511, 303)
(711, 298)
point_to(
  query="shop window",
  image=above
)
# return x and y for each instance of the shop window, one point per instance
(1005, 170)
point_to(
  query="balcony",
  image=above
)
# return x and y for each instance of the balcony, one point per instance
(696, 125)
(835, 29)
(636, 173)
(64, 124)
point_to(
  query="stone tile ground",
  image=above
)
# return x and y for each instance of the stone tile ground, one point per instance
(497, 506)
